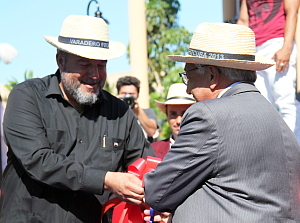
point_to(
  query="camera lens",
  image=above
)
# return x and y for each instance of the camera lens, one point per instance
(129, 100)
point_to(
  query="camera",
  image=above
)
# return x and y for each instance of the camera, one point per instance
(129, 100)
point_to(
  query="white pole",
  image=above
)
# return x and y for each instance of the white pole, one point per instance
(138, 48)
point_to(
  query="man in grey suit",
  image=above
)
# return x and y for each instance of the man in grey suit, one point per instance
(235, 159)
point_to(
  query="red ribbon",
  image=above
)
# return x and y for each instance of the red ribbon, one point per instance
(129, 213)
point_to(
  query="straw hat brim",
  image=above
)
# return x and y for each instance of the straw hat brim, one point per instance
(260, 63)
(116, 49)
(162, 105)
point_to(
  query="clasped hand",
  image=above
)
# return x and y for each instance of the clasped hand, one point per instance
(125, 186)
(129, 188)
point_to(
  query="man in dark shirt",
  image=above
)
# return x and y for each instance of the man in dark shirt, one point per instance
(69, 141)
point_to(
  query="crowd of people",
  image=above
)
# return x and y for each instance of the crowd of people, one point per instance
(233, 154)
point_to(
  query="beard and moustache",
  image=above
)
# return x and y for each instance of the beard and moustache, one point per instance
(75, 90)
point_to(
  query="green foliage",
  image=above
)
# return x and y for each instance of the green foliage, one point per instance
(108, 87)
(14, 81)
(164, 37)
(11, 84)
(29, 75)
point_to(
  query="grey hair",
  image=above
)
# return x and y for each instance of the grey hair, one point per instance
(232, 73)
(63, 53)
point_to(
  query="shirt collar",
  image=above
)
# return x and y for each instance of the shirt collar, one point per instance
(230, 86)
(54, 85)
(172, 141)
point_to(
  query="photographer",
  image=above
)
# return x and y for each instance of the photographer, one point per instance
(128, 90)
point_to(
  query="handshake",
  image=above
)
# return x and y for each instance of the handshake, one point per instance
(132, 208)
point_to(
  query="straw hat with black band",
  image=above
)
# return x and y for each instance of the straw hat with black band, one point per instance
(224, 45)
(176, 96)
(86, 36)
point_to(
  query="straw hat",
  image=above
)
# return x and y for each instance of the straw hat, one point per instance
(224, 45)
(176, 96)
(86, 36)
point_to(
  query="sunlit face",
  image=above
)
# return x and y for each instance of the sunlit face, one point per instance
(198, 84)
(128, 89)
(81, 78)
(174, 116)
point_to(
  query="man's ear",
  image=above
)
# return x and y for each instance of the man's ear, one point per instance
(214, 77)
(60, 60)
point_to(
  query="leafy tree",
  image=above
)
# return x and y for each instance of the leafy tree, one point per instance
(11, 84)
(165, 37)
(14, 81)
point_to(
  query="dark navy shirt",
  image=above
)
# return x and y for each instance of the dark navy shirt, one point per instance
(58, 158)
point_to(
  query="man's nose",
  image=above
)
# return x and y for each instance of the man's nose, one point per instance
(94, 72)
(178, 119)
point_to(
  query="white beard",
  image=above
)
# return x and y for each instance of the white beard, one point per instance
(74, 89)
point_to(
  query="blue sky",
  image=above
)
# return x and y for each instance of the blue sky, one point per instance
(24, 23)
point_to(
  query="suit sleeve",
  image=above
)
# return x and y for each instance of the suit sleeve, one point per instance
(187, 165)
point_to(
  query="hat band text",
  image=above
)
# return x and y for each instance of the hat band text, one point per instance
(186, 98)
(220, 56)
(83, 42)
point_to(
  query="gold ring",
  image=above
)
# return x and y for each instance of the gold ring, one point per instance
(281, 64)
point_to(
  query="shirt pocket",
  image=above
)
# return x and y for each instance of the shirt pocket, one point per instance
(56, 139)
(113, 152)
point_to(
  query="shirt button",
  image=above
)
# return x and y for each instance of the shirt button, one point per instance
(80, 141)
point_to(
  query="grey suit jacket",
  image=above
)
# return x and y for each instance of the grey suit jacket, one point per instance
(234, 160)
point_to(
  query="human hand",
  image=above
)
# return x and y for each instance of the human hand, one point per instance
(136, 107)
(282, 58)
(164, 217)
(125, 186)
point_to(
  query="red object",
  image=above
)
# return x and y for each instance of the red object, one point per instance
(128, 213)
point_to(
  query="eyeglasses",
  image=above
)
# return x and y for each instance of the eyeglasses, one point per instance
(183, 76)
